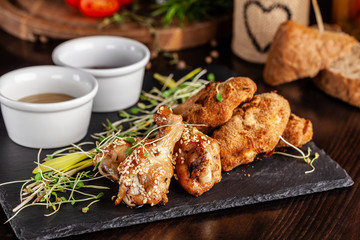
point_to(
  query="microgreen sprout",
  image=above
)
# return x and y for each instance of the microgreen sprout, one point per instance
(53, 183)
(140, 118)
(61, 177)
(305, 157)
(218, 95)
(131, 140)
(211, 77)
(128, 151)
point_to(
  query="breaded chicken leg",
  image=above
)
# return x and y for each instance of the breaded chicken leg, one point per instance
(298, 131)
(205, 108)
(254, 128)
(146, 173)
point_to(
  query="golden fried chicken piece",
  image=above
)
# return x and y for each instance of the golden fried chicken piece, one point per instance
(255, 128)
(197, 161)
(146, 173)
(298, 131)
(205, 108)
(110, 158)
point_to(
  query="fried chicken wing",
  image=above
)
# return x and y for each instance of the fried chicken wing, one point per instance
(146, 173)
(110, 158)
(255, 128)
(298, 131)
(205, 108)
(197, 161)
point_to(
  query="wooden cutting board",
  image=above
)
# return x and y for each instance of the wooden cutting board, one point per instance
(43, 19)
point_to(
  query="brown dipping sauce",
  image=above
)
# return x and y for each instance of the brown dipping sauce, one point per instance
(46, 98)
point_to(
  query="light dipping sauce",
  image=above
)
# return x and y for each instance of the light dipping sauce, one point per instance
(104, 67)
(46, 98)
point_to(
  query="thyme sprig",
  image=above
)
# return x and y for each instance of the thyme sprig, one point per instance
(305, 157)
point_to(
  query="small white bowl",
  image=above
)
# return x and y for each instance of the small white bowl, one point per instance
(117, 63)
(47, 125)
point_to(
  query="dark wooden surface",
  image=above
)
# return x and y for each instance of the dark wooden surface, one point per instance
(39, 19)
(329, 215)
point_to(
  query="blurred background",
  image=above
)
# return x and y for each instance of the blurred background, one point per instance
(43, 24)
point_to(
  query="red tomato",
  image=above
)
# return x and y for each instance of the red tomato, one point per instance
(124, 3)
(73, 3)
(99, 8)
(354, 9)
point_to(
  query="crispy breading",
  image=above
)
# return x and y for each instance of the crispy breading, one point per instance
(254, 128)
(298, 131)
(205, 108)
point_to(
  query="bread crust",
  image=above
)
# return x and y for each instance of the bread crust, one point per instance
(298, 52)
(337, 85)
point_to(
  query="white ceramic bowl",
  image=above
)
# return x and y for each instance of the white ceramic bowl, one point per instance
(117, 63)
(47, 125)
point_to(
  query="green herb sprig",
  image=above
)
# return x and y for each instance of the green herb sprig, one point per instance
(185, 11)
(218, 95)
(140, 118)
(168, 12)
(54, 184)
(305, 157)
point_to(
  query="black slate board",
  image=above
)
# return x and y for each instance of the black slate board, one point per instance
(266, 179)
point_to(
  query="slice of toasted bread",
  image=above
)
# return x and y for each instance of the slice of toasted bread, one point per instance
(298, 52)
(342, 78)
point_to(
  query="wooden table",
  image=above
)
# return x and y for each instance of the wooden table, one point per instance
(328, 215)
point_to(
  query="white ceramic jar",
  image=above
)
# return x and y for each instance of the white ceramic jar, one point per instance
(47, 125)
(117, 63)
